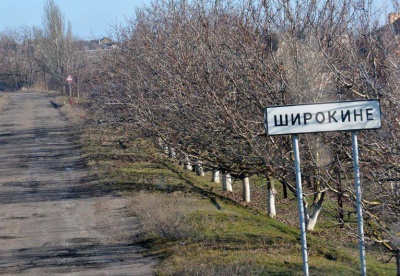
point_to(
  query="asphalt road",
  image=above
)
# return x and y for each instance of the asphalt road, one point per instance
(53, 221)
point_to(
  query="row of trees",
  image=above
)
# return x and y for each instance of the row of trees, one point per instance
(198, 75)
(41, 57)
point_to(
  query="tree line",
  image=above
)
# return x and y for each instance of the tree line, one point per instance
(197, 75)
(42, 57)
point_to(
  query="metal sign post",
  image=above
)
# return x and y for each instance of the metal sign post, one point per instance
(358, 202)
(302, 216)
(325, 117)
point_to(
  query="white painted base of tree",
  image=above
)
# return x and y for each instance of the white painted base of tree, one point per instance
(172, 153)
(160, 142)
(199, 169)
(246, 189)
(312, 221)
(215, 177)
(227, 182)
(271, 203)
(166, 149)
(187, 165)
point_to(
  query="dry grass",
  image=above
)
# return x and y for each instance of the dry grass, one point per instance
(166, 216)
(73, 110)
(194, 230)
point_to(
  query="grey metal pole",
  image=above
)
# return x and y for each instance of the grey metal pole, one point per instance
(69, 89)
(300, 204)
(358, 202)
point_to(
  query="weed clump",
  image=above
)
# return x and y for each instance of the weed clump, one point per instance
(165, 216)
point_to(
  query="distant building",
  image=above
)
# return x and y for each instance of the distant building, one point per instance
(101, 44)
(393, 17)
(392, 28)
(390, 33)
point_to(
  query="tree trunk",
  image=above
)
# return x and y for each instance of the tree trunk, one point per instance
(172, 152)
(246, 189)
(318, 195)
(271, 197)
(199, 168)
(305, 210)
(315, 210)
(340, 199)
(215, 176)
(186, 164)
(77, 88)
(284, 187)
(398, 261)
(160, 142)
(166, 149)
(227, 182)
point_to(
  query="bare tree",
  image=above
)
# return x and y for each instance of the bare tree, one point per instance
(54, 45)
(197, 76)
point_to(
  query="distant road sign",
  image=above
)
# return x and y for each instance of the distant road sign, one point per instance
(324, 117)
(69, 79)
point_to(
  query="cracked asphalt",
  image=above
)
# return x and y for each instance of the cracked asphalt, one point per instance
(53, 221)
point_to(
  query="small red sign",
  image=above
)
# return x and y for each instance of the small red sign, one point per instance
(69, 79)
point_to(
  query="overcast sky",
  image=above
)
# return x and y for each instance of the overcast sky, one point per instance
(89, 18)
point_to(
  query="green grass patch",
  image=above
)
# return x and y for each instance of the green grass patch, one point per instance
(195, 229)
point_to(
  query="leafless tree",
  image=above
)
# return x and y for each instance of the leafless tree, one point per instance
(54, 45)
(12, 63)
(198, 75)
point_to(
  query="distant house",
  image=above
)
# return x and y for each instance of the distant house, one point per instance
(105, 43)
(94, 45)
(394, 22)
(388, 36)
(391, 30)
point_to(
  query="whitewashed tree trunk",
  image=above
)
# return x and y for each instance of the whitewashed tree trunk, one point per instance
(271, 198)
(160, 142)
(305, 209)
(172, 152)
(246, 189)
(215, 176)
(187, 165)
(227, 182)
(166, 149)
(315, 210)
(312, 221)
(199, 168)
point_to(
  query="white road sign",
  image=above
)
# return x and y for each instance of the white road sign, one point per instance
(324, 117)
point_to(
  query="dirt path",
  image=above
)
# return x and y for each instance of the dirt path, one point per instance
(52, 219)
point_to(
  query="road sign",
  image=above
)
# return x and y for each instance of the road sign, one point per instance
(69, 79)
(323, 117)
